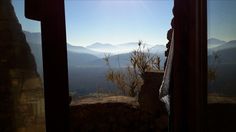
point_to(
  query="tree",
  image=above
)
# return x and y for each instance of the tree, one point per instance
(131, 80)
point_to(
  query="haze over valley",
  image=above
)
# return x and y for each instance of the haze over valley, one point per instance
(87, 68)
(86, 65)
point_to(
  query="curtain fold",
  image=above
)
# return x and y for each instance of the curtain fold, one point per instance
(164, 94)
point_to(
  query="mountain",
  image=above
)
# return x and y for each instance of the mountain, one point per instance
(104, 48)
(225, 68)
(33, 37)
(213, 42)
(100, 46)
(226, 52)
(80, 59)
(226, 46)
(158, 49)
(116, 61)
(121, 60)
(77, 55)
(116, 49)
(86, 67)
(133, 46)
(80, 49)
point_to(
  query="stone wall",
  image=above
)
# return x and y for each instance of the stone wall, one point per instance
(121, 114)
(115, 117)
(17, 65)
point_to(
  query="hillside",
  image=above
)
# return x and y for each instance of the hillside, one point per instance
(80, 59)
(225, 67)
(101, 46)
(83, 50)
(213, 42)
(86, 67)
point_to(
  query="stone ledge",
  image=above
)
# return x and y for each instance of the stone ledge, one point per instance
(115, 117)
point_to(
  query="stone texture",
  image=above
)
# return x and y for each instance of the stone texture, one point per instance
(17, 65)
(115, 117)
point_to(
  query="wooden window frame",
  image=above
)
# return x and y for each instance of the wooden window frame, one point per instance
(189, 77)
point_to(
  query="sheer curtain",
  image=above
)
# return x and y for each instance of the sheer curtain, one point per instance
(164, 88)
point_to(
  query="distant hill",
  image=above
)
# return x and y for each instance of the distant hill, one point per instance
(133, 46)
(116, 49)
(80, 59)
(106, 48)
(213, 42)
(86, 67)
(33, 37)
(80, 49)
(226, 52)
(103, 48)
(121, 60)
(100, 46)
(225, 66)
(158, 49)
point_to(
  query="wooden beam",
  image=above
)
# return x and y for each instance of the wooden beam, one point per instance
(55, 66)
(189, 83)
(33, 9)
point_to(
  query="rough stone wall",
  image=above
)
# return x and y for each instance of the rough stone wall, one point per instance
(114, 117)
(107, 116)
(17, 64)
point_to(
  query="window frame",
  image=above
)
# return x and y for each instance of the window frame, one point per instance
(189, 76)
(51, 14)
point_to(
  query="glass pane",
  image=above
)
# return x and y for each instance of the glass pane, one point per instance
(21, 86)
(102, 36)
(96, 28)
(221, 65)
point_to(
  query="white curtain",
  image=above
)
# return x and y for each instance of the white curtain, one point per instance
(164, 88)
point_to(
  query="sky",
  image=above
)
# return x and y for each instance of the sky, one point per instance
(222, 19)
(118, 21)
(111, 21)
(122, 21)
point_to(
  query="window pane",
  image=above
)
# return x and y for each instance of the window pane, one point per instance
(105, 72)
(221, 65)
(96, 28)
(221, 49)
(21, 86)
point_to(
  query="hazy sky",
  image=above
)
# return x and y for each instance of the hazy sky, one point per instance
(111, 21)
(222, 19)
(120, 21)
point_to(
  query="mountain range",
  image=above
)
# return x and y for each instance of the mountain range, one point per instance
(213, 42)
(224, 63)
(89, 55)
(87, 68)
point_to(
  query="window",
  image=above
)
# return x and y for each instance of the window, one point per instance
(96, 28)
(221, 65)
(189, 73)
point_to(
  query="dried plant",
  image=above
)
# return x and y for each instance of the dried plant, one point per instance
(131, 80)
